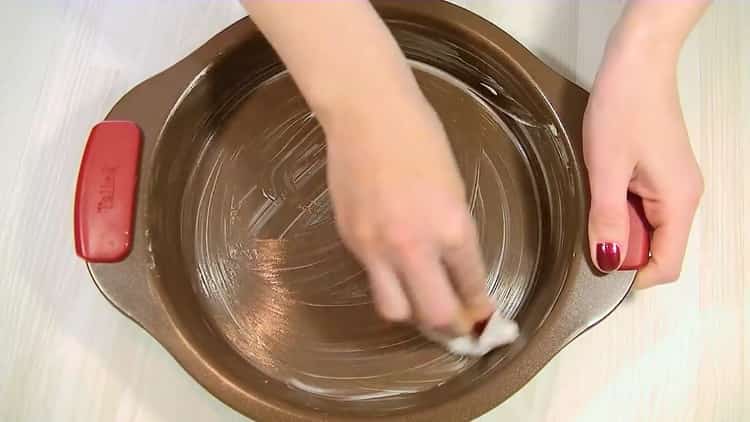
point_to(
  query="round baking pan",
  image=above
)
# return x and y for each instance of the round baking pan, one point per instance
(203, 211)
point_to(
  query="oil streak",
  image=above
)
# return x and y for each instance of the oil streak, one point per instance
(272, 273)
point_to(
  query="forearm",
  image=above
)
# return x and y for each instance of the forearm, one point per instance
(657, 27)
(339, 53)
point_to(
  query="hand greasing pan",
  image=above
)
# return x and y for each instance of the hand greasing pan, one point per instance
(211, 226)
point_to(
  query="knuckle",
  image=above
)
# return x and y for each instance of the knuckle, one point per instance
(607, 204)
(457, 229)
(691, 191)
(698, 188)
(357, 232)
(670, 274)
(602, 216)
(399, 237)
(656, 274)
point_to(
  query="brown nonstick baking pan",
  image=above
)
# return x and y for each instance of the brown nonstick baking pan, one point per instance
(203, 213)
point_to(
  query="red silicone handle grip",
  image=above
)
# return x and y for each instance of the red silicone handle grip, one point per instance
(639, 242)
(105, 194)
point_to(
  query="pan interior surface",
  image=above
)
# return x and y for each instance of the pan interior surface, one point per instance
(247, 252)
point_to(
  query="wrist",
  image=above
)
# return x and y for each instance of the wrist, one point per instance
(641, 43)
(357, 101)
(655, 29)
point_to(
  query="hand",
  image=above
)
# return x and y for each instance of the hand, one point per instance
(401, 209)
(635, 139)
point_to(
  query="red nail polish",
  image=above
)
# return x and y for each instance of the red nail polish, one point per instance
(608, 256)
(479, 327)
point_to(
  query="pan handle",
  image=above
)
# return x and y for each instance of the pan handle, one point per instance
(570, 102)
(105, 192)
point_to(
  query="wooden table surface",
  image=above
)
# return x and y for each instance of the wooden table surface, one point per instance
(676, 353)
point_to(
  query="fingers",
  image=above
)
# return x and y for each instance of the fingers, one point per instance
(388, 294)
(669, 241)
(435, 303)
(608, 217)
(419, 278)
(463, 260)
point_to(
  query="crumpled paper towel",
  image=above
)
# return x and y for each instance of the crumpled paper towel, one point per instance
(499, 331)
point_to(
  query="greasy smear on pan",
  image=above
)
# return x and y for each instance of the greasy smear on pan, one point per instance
(276, 282)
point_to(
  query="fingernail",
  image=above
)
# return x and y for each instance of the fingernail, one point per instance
(608, 256)
(479, 315)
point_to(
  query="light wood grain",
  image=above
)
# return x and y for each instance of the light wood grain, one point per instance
(677, 353)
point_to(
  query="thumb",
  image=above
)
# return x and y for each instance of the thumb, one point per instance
(608, 217)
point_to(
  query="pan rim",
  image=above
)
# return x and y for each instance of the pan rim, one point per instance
(148, 309)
